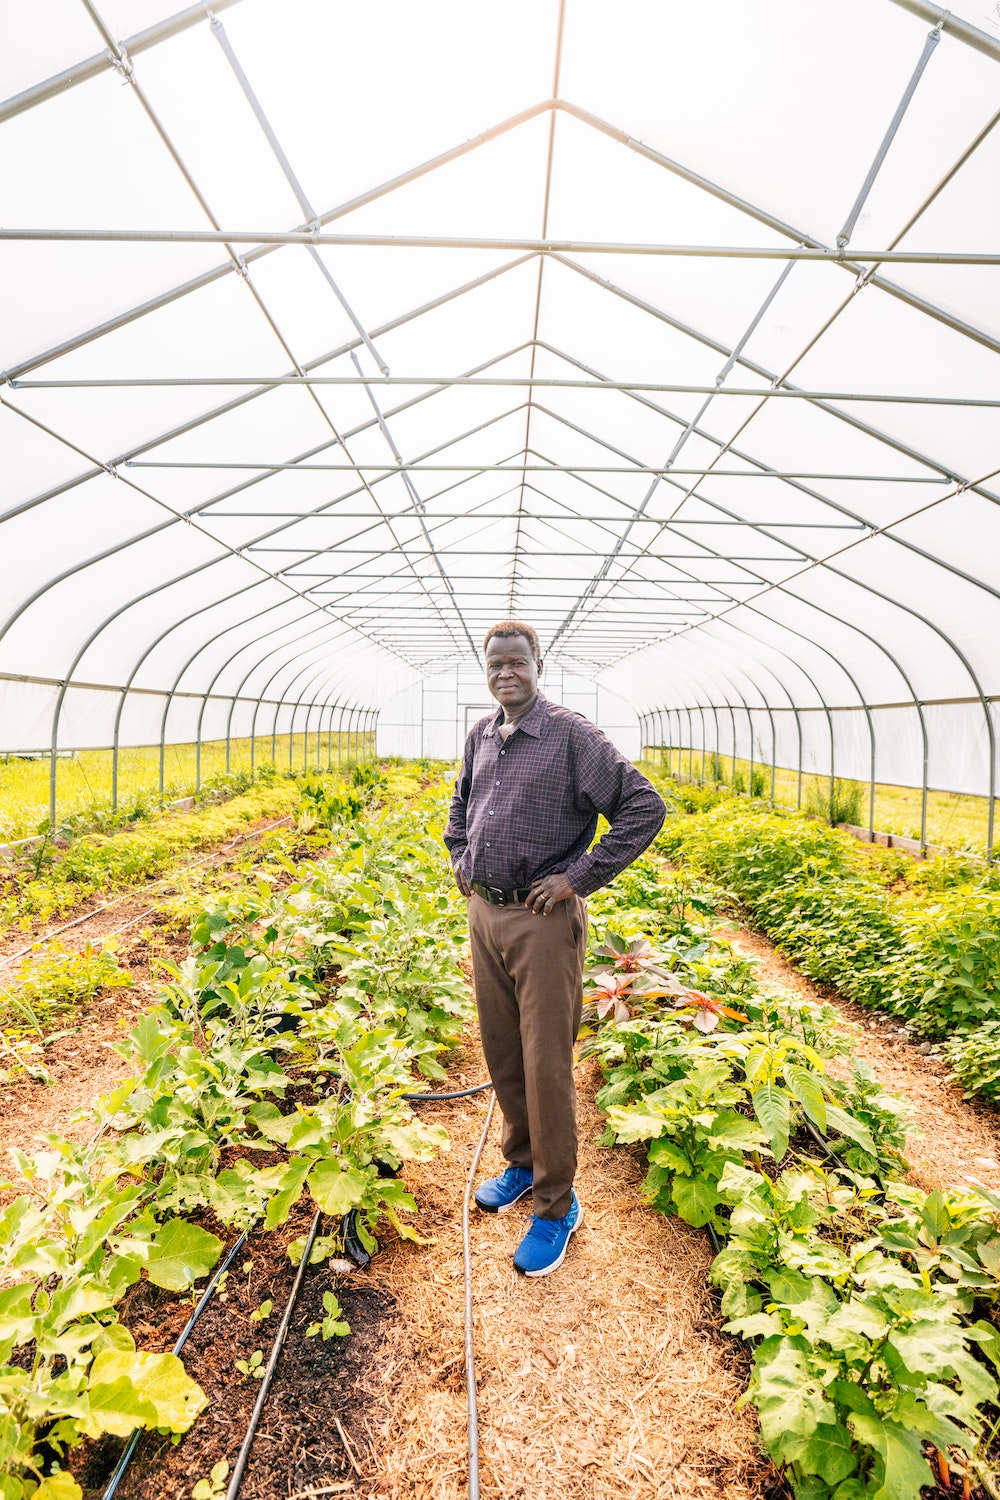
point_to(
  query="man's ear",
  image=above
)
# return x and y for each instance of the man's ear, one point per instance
(540, 666)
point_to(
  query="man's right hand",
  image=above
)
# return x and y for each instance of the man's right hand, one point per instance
(464, 885)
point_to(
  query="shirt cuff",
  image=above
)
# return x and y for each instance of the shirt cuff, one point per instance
(581, 876)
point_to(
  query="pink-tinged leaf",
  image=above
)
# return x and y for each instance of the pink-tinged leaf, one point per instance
(622, 1011)
(706, 1021)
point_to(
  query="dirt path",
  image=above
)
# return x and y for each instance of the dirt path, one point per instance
(951, 1140)
(607, 1379)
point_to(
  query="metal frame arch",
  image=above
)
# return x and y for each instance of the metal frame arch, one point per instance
(865, 587)
(169, 693)
(261, 696)
(821, 697)
(715, 670)
(247, 645)
(238, 695)
(282, 697)
(765, 702)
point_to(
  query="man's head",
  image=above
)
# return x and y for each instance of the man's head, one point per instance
(513, 662)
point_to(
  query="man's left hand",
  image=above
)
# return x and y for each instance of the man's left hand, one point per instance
(544, 895)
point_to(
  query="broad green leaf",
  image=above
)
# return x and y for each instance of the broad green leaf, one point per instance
(906, 1469)
(734, 1132)
(911, 1412)
(664, 1153)
(754, 1325)
(335, 1187)
(636, 1122)
(790, 1400)
(157, 1379)
(935, 1216)
(58, 1486)
(829, 1453)
(117, 1406)
(180, 1253)
(771, 1107)
(807, 1089)
(113, 1337)
(290, 1181)
(841, 1123)
(696, 1199)
(789, 1287)
(989, 1341)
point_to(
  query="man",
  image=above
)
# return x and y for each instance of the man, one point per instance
(534, 778)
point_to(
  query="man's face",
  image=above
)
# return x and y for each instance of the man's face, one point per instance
(511, 671)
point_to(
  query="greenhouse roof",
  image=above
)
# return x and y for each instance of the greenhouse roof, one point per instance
(334, 333)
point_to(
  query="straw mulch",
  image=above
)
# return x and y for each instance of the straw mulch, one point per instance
(608, 1378)
(951, 1141)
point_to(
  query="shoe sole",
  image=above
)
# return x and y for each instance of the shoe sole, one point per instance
(503, 1208)
(547, 1270)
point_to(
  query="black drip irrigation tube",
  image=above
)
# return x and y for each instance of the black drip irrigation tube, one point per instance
(356, 1252)
(236, 1478)
(203, 1301)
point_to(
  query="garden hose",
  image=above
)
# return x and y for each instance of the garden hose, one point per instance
(457, 1094)
(472, 1403)
(356, 1252)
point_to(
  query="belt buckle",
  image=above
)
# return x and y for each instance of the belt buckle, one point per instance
(497, 895)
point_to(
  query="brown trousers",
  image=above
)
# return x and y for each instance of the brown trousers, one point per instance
(529, 994)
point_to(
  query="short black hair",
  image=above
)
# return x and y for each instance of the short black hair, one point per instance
(515, 627)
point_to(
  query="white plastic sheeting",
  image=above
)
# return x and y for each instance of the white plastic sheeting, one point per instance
(691, 314)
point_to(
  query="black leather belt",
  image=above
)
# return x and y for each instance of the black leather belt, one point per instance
(496, 896)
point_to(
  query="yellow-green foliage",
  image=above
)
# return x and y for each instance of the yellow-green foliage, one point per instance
(954, 819)
(110, 862)
(56, 978)
(83, 780)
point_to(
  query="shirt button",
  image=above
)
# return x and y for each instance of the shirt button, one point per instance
(491, 812)
(487, 843)
(503, 752)
(498, 783)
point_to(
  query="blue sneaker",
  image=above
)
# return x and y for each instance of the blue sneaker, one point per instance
(544, 1247)
(500, 1194)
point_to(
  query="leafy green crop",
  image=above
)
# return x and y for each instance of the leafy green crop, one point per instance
(919, 939)
(344, 978)
(855, 1290)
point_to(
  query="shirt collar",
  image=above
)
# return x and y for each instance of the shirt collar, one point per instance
(532, 722)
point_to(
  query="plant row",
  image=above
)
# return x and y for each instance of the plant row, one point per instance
(312, 998)
(920, 939)
(868, 1304)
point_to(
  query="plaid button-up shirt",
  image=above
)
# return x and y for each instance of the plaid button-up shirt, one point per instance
(527, 806)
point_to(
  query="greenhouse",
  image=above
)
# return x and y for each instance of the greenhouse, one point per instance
(334, 334)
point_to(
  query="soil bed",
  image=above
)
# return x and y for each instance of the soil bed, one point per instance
(298, 1444)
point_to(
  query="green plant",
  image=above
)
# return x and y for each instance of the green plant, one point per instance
(974, 1059)
(840, 804)
(215, 1485)
(854, 1289)
(257, 998)
(333, 1325)
(56, 977)
(252, 1368)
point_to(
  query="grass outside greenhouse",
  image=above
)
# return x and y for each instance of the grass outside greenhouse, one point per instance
(955, 820)
(83, 778)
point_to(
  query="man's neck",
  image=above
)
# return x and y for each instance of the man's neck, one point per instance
(510, 721)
